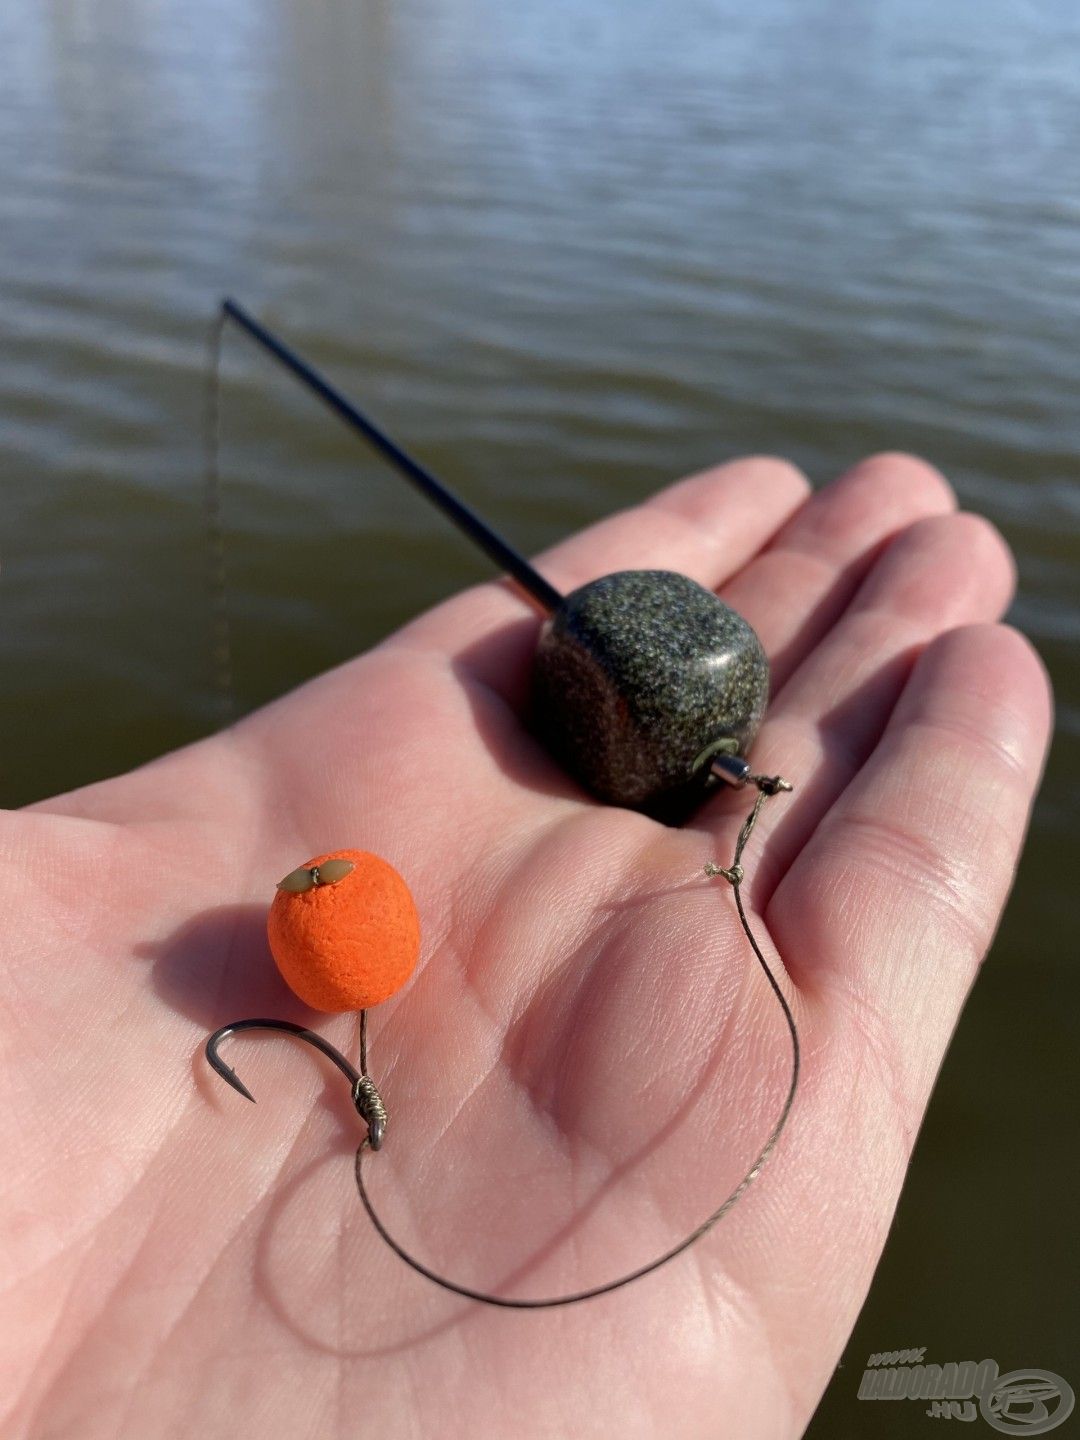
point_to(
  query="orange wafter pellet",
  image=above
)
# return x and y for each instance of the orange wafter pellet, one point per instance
(349, 943)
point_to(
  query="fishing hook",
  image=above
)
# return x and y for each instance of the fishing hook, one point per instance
(365, 1096)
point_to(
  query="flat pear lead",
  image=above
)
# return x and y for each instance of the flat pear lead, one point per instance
(640, 679)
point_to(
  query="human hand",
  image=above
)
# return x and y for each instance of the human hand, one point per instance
(587, 1059)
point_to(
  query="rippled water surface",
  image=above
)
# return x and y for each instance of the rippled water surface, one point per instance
(567, 252)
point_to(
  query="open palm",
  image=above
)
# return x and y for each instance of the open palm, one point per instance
(587, 1058)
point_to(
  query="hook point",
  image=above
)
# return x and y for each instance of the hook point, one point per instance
(239, 1085)
(231, 1078)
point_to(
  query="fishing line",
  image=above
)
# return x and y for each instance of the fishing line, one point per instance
(221, 649)
(734, 875)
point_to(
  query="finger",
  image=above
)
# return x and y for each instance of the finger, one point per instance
(944, 571)
(706, 526)
(796, 589)
(892, 904)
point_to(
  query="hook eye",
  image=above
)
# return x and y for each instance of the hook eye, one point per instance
(370, 1108)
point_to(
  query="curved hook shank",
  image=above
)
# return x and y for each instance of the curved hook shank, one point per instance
(229, 1075)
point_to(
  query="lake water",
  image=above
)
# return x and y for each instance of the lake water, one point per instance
(566, 252)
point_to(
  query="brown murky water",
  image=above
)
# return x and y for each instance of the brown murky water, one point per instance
(567, 252)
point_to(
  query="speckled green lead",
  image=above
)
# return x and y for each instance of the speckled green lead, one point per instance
(639, 675)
